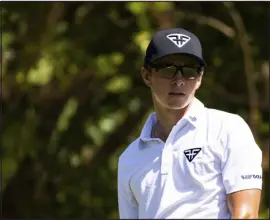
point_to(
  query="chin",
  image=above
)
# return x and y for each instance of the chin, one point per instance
(173, 103)
(178, 104)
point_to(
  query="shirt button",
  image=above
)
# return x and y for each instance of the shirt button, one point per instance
(193, 118)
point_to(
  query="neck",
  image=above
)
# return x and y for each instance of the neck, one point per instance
(166, 119)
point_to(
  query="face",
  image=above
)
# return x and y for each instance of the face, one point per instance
(173, 87)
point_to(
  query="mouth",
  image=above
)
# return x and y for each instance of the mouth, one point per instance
(176, 93)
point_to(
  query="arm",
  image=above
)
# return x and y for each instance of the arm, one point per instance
(241, 170)
(244, 204)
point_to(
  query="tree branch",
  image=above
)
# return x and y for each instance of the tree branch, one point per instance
(248, 65)
(212, 22)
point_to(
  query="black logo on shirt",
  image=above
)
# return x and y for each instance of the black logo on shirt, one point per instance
(251, 176)
(192, 153)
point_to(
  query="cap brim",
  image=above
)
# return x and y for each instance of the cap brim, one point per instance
(200, 60)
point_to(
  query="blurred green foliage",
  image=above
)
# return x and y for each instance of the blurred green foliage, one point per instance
(73, 98)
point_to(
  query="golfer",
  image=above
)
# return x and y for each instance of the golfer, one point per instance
(189, 161)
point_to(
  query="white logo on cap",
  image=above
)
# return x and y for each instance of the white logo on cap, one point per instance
(178, 39)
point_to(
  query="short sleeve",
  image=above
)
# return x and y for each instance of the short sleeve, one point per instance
(127, 205)
(242, 160)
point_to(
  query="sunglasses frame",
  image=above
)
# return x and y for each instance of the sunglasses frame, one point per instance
(199, 69)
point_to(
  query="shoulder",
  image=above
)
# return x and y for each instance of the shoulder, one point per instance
(232, 133)
(233, 129)
(129, 153)
(219, 114)
(230, 122)
(224, 126)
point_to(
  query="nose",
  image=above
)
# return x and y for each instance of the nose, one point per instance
(178, 79)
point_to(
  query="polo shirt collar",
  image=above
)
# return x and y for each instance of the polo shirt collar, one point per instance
(193, 113)
(191, 116)
(147, 129)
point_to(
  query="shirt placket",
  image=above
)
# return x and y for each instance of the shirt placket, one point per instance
(167, 153)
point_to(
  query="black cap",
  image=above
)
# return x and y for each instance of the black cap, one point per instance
(173, 41)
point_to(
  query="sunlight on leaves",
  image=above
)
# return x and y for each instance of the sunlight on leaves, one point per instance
(143, 22)
(142, 39)
(9, 167)
(82, 12)
(118, 84)
(75, 160)
(7, 39)
(62, 27)
(265, 69)
(112, 120)
(94, 133)
(140, 10)
(87, 153)
(42, 73)
(134, 105)
(117, 58)
(162, 6)
(107, 64)
(137, 7)
(107, 124)
(7, 52)
(228, 4)
(73, 68)
(15, 16)
(67, 113)
(20, 78)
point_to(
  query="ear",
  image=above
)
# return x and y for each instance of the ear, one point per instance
(146, 75)
(199, 81)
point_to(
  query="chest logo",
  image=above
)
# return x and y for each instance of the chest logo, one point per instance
(191, 153)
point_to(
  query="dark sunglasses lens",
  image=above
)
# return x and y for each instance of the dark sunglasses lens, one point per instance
(167, 72)
(190, 73)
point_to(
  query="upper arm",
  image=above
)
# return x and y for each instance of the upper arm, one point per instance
(244, 204)
(242, 160)
(127, 204)
(242, 166)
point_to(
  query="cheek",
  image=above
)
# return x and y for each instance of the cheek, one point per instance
(192, 86)
(160, 85)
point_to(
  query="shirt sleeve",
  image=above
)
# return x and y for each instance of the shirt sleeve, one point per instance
(127, 204)
(242, 159)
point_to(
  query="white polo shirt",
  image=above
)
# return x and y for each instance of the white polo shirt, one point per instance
(208, 154)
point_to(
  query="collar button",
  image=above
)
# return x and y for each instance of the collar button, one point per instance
(193, 118)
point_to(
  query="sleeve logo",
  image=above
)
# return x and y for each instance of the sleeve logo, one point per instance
(252, 176)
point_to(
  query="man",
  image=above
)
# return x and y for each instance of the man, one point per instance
(189, 161)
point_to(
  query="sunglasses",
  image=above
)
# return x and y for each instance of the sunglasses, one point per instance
(169, 71)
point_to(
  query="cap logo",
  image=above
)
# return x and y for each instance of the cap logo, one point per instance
(178, 39)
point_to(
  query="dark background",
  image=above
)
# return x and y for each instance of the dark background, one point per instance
(73, 98)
